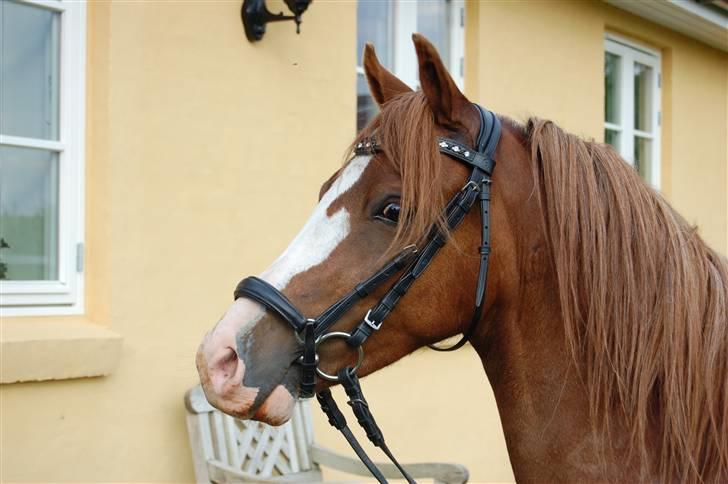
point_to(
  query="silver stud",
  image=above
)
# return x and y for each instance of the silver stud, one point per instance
(443, 144)
(467, 154)
(360, 145)
(456, 149)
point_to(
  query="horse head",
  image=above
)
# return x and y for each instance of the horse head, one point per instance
(374, 206)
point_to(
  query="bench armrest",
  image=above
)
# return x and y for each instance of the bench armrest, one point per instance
(221, 473)
(440, 472)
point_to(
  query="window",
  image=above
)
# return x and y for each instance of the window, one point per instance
(389, 25)
(42, 61)
(632, 81)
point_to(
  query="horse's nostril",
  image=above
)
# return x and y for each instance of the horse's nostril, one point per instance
(227, 361)
(223, 367)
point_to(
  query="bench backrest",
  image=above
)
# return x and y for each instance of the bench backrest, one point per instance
(253, 448)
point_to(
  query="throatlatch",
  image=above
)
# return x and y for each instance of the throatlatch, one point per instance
(311, 332)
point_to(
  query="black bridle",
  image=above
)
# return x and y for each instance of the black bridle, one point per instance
(312, 332)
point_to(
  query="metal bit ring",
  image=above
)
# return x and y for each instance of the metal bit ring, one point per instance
(338, 334)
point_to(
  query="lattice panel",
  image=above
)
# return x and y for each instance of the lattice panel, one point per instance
(259, 449)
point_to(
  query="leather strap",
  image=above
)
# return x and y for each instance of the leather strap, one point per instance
(487, 142)
(364, 416)
(462, 153)
(361, 291)
(308, 361)
(489, 134)
(484, 197)
(455, 212)
(264, 293)
(338, 421)
(309, 329)
(267, 295)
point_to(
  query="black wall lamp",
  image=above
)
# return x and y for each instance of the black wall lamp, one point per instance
(255, 15)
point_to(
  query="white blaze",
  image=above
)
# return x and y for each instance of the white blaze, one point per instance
(321, 234)
(313, 245)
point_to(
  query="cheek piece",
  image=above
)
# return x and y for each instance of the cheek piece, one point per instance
(412, 262)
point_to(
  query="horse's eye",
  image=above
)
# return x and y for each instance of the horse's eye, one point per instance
(390, 213)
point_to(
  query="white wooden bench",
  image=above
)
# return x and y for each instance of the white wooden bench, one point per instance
(226, 449)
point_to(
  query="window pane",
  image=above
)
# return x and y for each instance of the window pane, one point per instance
(433, 21)
(29, 71)
(366, 108)
(611, 88)
(374, 24)
(642, 97)
(28, 214)
(611, 137)
(643, 157)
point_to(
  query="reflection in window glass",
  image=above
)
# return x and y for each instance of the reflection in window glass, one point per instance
(642, 157)
(29, 213)
(366, 107)
(642, 81)
(611, 137)
(611, 88)
(374, 25)
(29, 71)
(433, 20)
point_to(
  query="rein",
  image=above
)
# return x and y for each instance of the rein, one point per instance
(312, 332)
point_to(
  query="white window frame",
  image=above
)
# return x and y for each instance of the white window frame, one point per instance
(404, 24)
(631, 52)
(65, 295)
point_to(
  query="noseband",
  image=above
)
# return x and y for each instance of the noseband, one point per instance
(412, 262)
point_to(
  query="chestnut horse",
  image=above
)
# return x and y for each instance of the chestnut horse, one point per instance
(604, 311)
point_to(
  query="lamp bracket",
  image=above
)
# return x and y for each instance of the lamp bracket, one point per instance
(255, 16)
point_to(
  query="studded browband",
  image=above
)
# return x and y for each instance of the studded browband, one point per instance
(311, 332)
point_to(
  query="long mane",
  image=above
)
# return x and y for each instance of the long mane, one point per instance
(644, 299)
(645, 306)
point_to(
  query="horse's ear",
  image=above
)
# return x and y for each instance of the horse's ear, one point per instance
(383, 84)
(448, 104)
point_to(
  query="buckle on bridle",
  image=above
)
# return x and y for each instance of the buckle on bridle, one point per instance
(372, 324)
(412, 248)
(298, 334)
(471, 184)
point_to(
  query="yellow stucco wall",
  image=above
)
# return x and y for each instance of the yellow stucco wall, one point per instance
(189, 129)
(546, 59)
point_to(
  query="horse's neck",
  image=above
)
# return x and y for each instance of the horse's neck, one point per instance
(543, 405)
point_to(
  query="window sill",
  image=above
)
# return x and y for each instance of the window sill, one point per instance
(58, 348)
